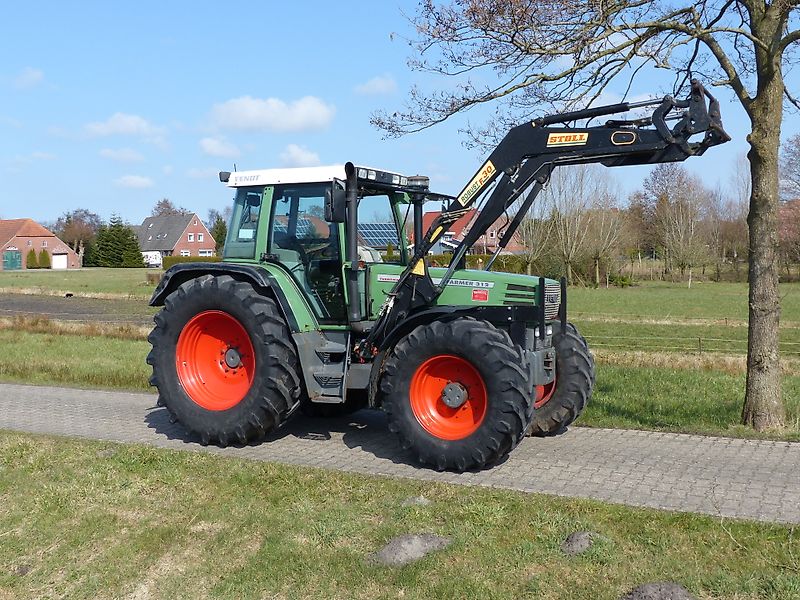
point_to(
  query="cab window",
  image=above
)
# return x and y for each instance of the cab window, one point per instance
(243, 228)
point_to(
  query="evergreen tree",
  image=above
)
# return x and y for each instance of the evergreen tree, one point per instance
(219, 231)
(117, 246)
(44, 259)
(30, 260)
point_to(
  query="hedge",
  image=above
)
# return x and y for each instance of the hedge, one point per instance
(44, 259)
(31, 262)
(169, 261)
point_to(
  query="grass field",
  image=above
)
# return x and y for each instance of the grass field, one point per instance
(661, 399)
(95, 281)
(663, 300)
(690, 392)
(97, 520)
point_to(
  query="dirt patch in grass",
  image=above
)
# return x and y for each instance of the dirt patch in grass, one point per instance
(86, 310)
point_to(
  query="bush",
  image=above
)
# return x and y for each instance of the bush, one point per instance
(620, 280)
(30, 260)
(174, 260)
(44, 259)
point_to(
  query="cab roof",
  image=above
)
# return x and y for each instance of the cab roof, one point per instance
(289, 175)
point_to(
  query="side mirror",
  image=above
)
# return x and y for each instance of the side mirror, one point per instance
(335, 204)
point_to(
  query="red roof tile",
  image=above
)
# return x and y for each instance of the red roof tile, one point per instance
(22, 227)
(456, 228)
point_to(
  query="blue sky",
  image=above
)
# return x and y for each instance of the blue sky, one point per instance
(112, 106)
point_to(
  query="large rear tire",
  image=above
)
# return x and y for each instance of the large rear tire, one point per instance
(223, 361)
(456, 394)
(558, 405)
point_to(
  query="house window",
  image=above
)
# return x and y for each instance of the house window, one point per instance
(191, 237)
(492, 234)
(200, 237)
(149, 237)
(30, 242)
(185, 253)
(44, 243)
(195, 222)
(206, 253)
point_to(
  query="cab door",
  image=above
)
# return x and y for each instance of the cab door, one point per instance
(308, 247)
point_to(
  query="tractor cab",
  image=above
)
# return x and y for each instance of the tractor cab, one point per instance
(296, 220)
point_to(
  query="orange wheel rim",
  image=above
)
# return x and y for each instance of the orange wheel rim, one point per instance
(215, 360)
(456, 380)
(544, 393)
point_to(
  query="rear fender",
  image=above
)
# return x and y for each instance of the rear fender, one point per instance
(260, 278)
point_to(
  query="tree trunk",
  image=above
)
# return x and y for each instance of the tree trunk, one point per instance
(569, 272)
(763, 406)
(597, 271)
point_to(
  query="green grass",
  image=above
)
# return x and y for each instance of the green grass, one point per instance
(94, 280)
(661, 399)
(685, 338)
(73, 360)
(680, 400)
(97, 520)
(706, 300)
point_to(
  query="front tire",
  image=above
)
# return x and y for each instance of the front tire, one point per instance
(223, 361)
(456, 394)
(558, 405)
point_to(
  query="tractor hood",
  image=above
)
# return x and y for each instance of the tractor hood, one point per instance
(469, 287)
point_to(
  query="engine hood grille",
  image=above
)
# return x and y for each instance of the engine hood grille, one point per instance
(525, 295)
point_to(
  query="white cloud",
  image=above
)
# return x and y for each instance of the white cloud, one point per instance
(384, 84)
(298, 156)
(42, 156)
(167, 169)
(28, 78)
(219, 146)
(134, 182)
(124, 124)
(122, 154)
(208, 173)
(273, 114)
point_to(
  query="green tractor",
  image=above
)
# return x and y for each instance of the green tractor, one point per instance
(303, 315)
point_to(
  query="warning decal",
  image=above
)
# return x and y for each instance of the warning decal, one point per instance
(480, 295)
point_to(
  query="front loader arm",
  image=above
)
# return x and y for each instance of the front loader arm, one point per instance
(524, 160)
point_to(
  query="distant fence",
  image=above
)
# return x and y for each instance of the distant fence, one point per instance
(689, 344)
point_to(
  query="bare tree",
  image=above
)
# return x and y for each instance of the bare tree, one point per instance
(678, 219)
(78, 228)
(789, 231)
(790, 168)
(521, 56)
(735, 232)
(165, 207)
(535, 231)
(571, 193)
(607, 230)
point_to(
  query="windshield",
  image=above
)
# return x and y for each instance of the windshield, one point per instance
(241, 240)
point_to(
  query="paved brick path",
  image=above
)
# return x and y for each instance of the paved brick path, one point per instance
(717, 476)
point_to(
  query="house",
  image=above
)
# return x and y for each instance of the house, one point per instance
(174, 235)
(485, 244)
(19, 236)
